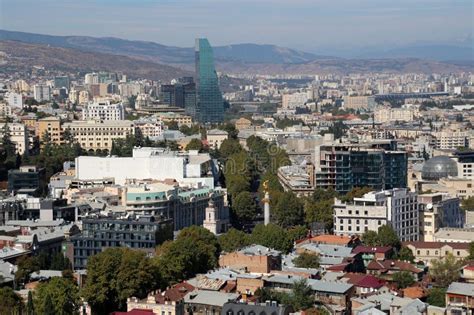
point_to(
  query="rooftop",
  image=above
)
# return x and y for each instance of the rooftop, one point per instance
(466, 289)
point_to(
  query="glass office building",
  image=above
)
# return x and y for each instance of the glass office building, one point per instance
(209, 105)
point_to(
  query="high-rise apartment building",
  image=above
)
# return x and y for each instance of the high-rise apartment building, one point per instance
(210, 104)
(343, 166)
(41, 92)
(396, 207)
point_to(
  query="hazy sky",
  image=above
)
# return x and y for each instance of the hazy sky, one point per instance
(312, 25)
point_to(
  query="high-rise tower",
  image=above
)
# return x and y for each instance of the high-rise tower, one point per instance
(209, 105)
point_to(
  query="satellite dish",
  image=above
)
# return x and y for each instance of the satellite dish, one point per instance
(429, 206)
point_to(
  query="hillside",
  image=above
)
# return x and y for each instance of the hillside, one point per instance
(20, 56)
(248, 53)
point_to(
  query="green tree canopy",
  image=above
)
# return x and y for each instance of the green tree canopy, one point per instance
(370, 238)
(110, 280)
(445, 271)
(229, 147)
(195, 250)
(58, 296)
(272, 236)
(406, 254)
(471, 251)
(403, 279)
(289, 210)
(437, 297)
(244, 207)
(387, 237)
(301, 296)
(26, 265)
(307, 260)
(194, 144)
(10, 302)
(467, 204)
(233, 240)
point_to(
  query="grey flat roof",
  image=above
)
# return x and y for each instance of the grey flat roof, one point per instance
(214, 298)
(461, 288)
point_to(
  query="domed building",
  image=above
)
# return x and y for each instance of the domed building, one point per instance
(439, 167)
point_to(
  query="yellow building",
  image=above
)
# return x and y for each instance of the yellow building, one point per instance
(99, 135)
(52, 126)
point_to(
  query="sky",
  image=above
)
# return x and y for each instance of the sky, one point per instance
(322, 26)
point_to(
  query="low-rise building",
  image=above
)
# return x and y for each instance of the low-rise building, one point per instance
(215, 137)
(255, 258)
(460, 298)
(429, 251)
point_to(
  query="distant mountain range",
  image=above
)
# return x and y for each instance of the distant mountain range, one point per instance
(147, 59)
(251, 53)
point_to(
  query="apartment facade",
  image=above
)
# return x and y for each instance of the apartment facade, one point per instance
(99, 135)
(103, 110)
(18, 135)
(396, 207)
(50, 126)
(344, 166)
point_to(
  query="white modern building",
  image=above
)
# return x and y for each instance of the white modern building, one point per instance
(103, 110)
(18, 135)
(42, 92)
(397, 207)
(291, 101)
(190, 168)
(14, 100)
(438, 210)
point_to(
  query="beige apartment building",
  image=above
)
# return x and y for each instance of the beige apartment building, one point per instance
(358, 102)
(215, 137)
(180, 119)
(94, 135)
(52, 126)
(387, 114)
(450, 139)
(428, 251)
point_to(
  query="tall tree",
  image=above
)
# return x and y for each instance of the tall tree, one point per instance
(437, 297)
(110, 282)
(406, 254)
(30, 308)
(386, 236)
(195, 250)
(10, 302)
(445, 271)
(57, 296)
(403, 279)
(289, 210)
(272, 236)
(370, 238)
(244, 207)
(307, 260)
(301, 295)
(233, 240)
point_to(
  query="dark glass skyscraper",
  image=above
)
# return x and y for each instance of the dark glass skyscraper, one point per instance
(209, 105)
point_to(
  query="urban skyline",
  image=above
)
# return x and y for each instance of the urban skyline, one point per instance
(344, 28)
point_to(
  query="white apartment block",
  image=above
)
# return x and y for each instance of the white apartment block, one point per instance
(449, 140)
(42, 92)
(5, 110)
(103, 110)
(14, 100)
(18, 135)
(291, 101)
(387, 114)
(94, 135)
(149, 163)
(91, 78)
(438, 210)
(150, 127)
(215, 137)
(396, 207)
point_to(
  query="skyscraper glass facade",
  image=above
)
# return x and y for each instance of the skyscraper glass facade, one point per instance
(210, 105)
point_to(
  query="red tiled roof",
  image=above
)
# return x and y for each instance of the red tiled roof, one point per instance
(414, 292)
(390, 264)
(364, 280)
(175, 293)
(338, 267)
(371, 249)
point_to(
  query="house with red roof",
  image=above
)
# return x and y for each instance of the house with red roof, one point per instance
(386, 268)
(168, 302)
(468, 272)
(365, 283)
(369, 253)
